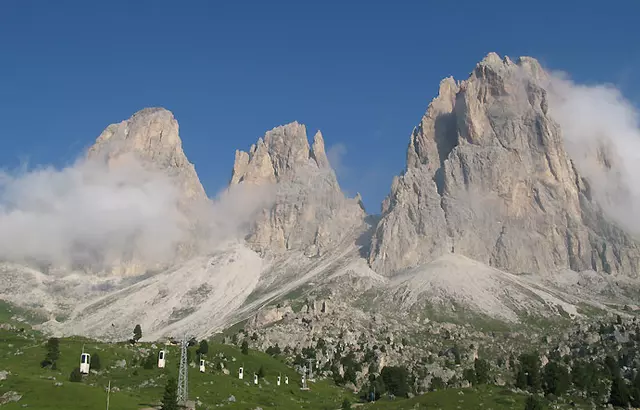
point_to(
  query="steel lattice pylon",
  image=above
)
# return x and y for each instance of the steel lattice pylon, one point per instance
(183, 375)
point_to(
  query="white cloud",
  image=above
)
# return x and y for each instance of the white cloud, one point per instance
(335, 155)
(601, 130)
(96, 216)
(231, 215)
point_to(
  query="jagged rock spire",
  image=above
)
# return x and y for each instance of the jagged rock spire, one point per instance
(311, 213)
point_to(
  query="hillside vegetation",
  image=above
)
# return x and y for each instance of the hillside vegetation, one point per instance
(35, 375)
(133, 386)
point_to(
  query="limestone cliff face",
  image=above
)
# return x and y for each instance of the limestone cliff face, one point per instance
(310, 213)
(488, 177)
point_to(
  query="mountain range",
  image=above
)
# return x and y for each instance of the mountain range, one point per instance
(505, 208)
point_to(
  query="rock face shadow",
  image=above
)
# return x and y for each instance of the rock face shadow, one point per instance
(364, 240)
(446, 139)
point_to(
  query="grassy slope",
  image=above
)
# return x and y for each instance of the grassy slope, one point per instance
(146, 388)
(213, 388)
(483, 397)
(18, 317)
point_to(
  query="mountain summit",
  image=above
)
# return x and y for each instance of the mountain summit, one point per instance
(152, 136)
(488, 177)
(310, 213)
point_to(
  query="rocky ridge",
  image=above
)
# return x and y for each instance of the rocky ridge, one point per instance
(488, 177)
(488, 182)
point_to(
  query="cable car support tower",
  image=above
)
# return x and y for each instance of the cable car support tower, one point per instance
(183, 375)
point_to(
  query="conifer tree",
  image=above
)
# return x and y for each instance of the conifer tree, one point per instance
(137, 333)
(170, 397)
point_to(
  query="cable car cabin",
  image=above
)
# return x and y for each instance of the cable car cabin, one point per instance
(286, 379)
(85, 363)
(201, 365)
(240, 373)
(278, 382)
(161, 359)
(255, 379)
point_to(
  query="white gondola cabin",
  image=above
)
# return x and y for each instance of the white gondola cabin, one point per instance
(255, 379)
(161, 359)
(201, 365)
(286, 379)
(85, 363)
(240, 373)
(278, 381)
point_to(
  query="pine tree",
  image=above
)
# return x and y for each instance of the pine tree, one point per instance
(350, 375)
(619, 392)
(612, 367)
(170, 397)
(533, 403)
(470, 376)
(346, 404)
(456, 354)
(521, 379)
(529, 372)
(53, 349)
(396, 379)
(245, 347)
(556, 379)
(635, 391)
(436, 384)
(137, 333)
(150, 361)
(261, 372)
(481, 368)
(53, 352)
(95, 362)
(582, 376)
(203, 348)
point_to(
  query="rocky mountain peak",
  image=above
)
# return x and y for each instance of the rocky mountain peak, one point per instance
(151, 137)
(280, 155)
(507, 67)
(151, 134)
(311, 213)
(318, 152)
(488, 177)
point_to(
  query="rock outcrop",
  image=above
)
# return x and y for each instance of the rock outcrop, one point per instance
(151, 134)
(488, 177)
(310, 213)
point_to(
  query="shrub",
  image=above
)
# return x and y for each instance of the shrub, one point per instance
(137, 333)
(75, 375)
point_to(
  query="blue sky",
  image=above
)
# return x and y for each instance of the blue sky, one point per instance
(362, 72)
